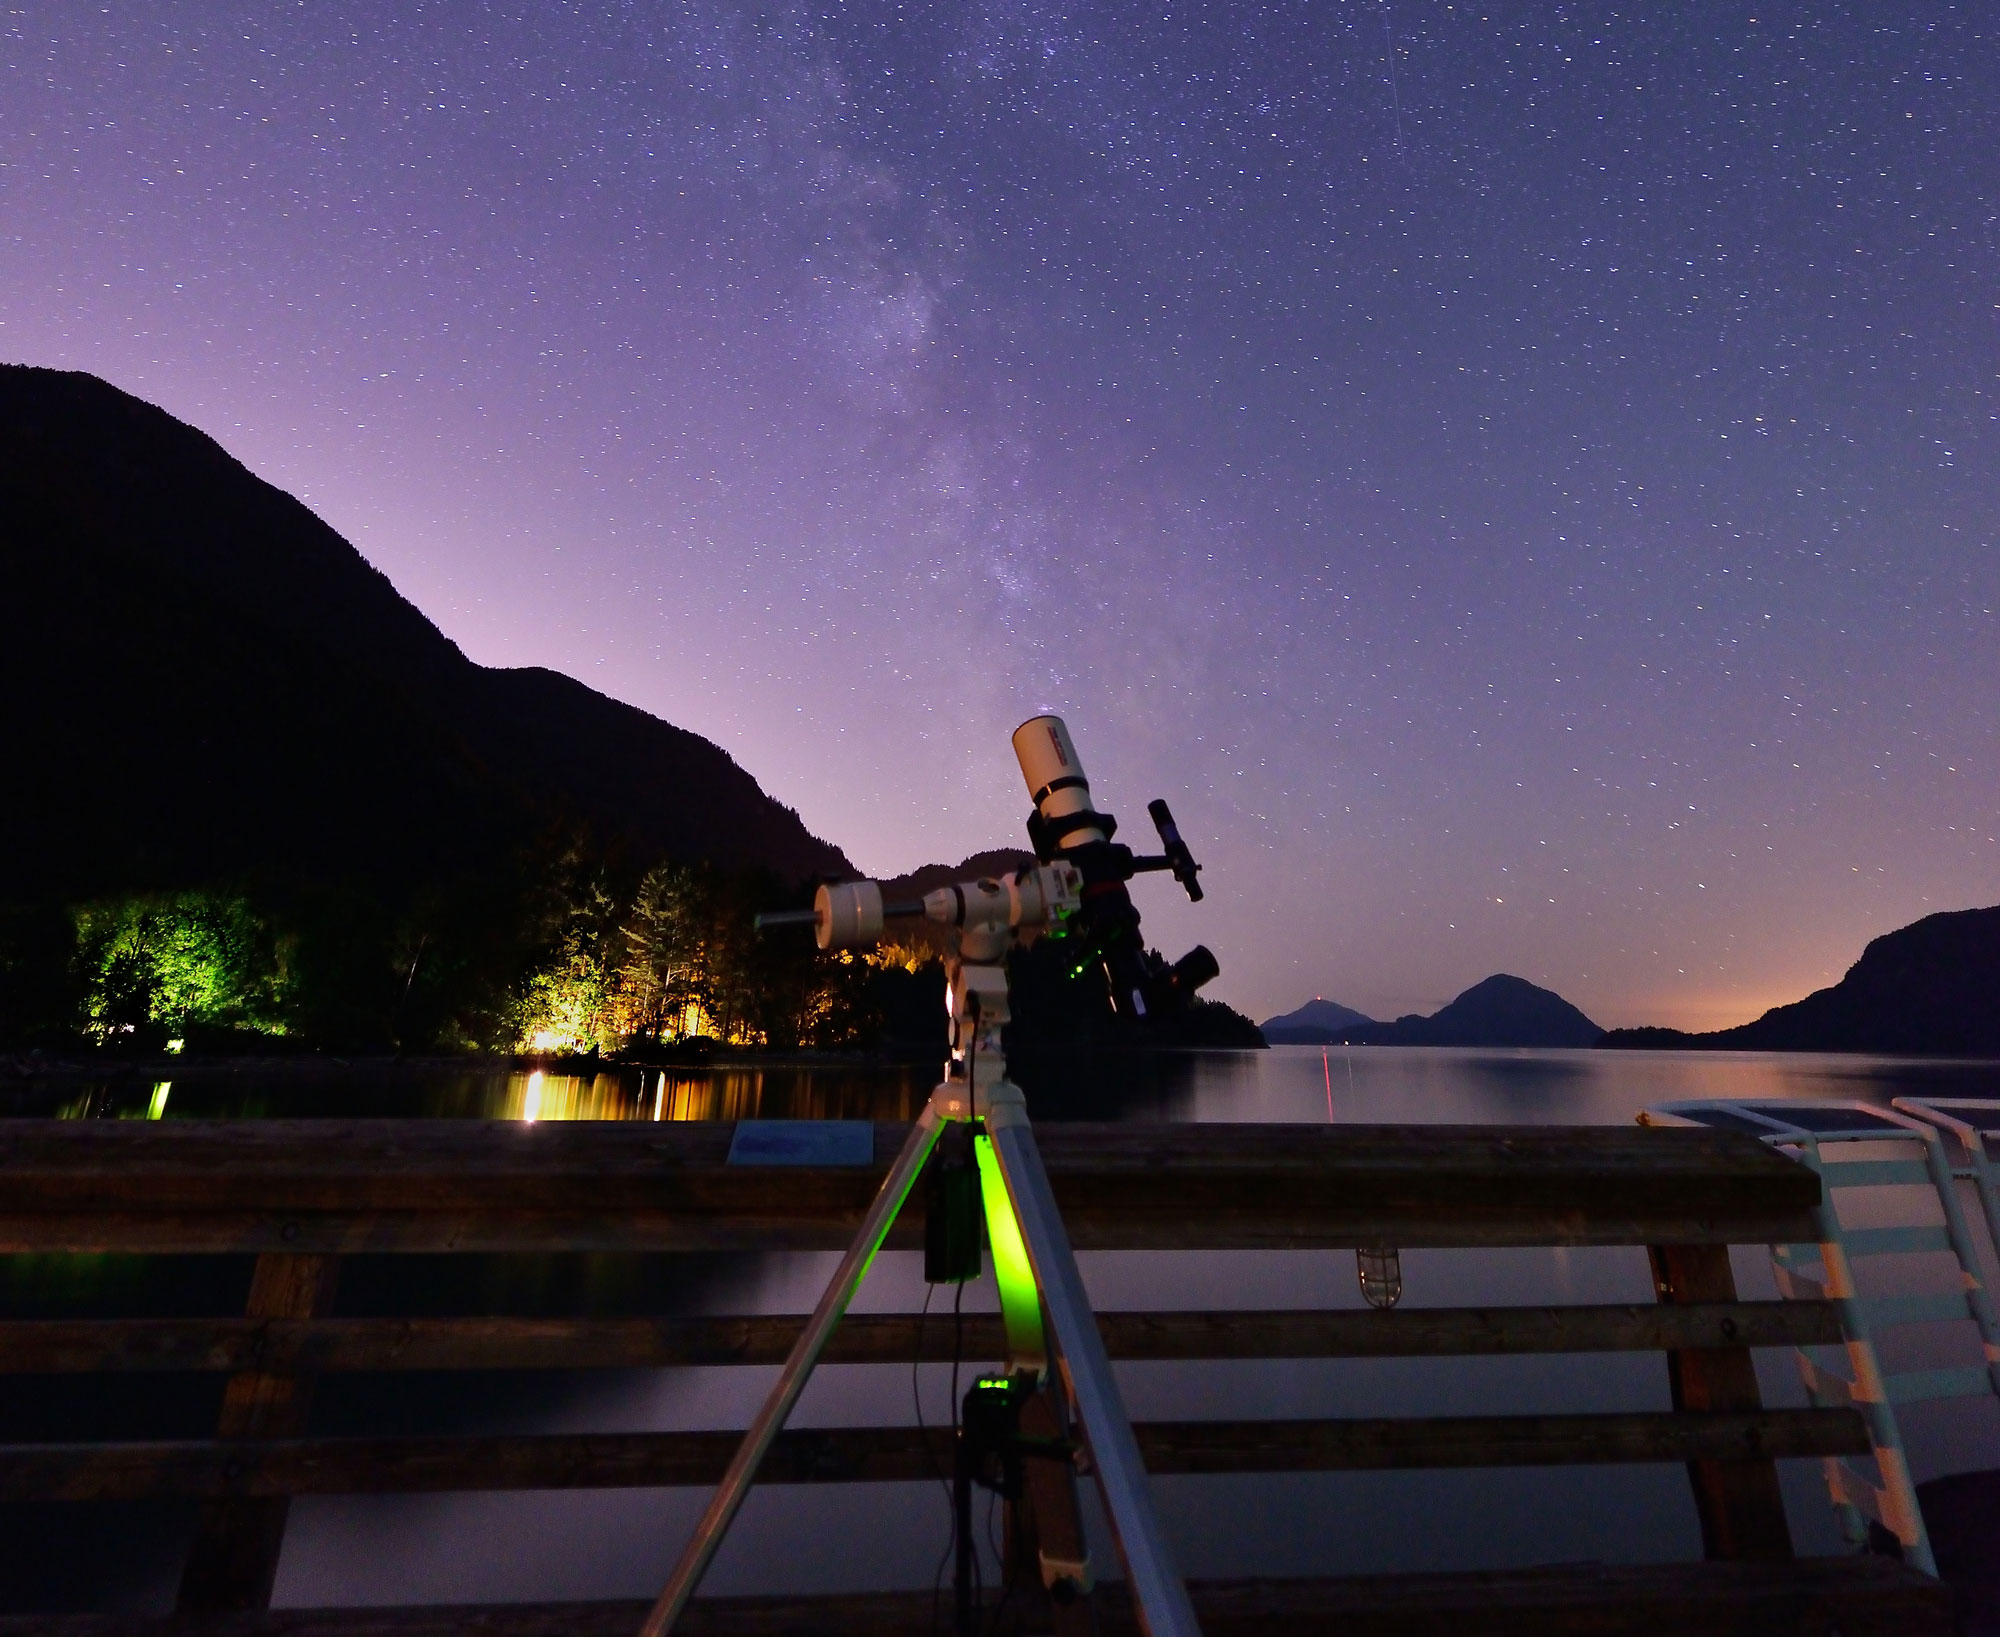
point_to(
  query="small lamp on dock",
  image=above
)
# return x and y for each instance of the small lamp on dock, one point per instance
(1380, 1269)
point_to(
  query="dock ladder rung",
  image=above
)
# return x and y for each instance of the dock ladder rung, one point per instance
(1920, 1386)
(1883, 1311)
(1896, 1241)
(1876, 1174)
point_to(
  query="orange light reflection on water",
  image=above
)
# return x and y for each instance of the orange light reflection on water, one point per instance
(703, 1094)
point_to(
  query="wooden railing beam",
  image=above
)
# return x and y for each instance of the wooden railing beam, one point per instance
(410, 1186)
(320, 1466)
(1814, 1597)
(51, 1346)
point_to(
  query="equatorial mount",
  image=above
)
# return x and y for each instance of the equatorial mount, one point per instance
(1077, 889)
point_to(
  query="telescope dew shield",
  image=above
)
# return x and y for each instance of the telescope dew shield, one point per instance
(1056, 783)
(848, 916)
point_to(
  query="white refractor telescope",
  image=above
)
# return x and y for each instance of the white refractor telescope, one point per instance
(1076, 889)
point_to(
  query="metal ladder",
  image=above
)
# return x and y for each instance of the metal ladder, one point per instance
(1971, 1122)
(1853, 1373)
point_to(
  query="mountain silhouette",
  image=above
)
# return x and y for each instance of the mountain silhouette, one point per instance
(1930, 988)
(1317, 1023)
(206, 681)
(995, 862)
(1500, 1011)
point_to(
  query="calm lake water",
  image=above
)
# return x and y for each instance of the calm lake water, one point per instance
(622, 1543)
(1288, 1083)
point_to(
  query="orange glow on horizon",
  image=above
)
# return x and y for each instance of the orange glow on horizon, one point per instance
(1704, 1011)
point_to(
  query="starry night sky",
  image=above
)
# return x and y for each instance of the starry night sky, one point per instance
(1522, 481)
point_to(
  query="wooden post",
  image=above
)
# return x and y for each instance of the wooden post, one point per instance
(234, 1561)
(1741, 1508)
(1052, 1526)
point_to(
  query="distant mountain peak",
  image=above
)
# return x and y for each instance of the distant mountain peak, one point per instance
(1318, 1022)
(1501, 1010)
(1504, 1010)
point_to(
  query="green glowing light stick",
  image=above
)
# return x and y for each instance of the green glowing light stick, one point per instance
(1020, 1298)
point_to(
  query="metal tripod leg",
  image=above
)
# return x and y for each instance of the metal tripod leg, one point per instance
(729, 1494)
(1158, 1596)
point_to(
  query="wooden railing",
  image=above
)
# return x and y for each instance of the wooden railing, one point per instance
(300, 1195)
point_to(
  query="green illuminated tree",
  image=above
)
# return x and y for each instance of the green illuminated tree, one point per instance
(156, 965)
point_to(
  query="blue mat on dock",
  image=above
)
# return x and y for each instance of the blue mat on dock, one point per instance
(803, 1142)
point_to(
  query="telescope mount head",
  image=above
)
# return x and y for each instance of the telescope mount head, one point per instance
(1065, 824)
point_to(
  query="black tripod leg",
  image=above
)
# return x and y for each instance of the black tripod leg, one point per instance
(1053, 1546)
(962, 1543)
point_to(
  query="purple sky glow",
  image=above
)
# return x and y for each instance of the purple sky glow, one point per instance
(1523, 482)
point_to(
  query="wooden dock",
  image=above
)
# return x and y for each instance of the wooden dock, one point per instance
(299, 1195)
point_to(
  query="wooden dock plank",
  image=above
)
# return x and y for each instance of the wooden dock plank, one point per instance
(320, 1466)
(1813, 1597)
(329, 1345)
(338, 1186)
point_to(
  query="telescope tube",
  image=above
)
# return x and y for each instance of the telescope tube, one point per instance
(1066, 821)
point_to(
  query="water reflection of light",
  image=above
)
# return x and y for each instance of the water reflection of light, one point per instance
(531, 1098)
(660, 1094)
(158, 1106)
